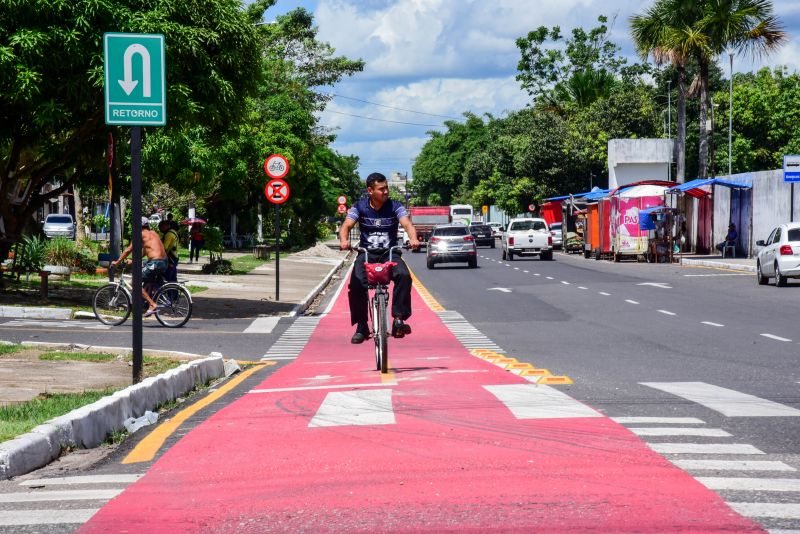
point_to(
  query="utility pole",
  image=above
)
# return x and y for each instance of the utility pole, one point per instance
(730, 117)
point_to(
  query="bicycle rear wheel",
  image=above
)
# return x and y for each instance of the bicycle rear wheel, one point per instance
(173, 305)
(111, 305)
(374, 319)
(381, 334)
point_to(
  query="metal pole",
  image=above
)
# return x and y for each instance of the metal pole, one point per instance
(136, 239)
(730, 118)
(277, 252)
(791, 203)
(669, 109)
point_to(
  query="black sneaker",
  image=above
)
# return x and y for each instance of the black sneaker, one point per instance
(361, 335)
(400, 329)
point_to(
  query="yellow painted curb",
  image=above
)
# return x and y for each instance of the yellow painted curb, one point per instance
(555, 380)
(520, 365)
(535, 372)
(505, 361)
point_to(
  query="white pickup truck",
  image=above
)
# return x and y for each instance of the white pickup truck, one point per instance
(527, 237)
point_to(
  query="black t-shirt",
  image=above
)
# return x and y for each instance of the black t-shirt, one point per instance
(378, 227)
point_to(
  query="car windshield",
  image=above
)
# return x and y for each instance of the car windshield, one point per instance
(450, 231)
(479, 229)
(59, 219)
(555, 226)
(793, 234)
(521, 226)
(462, 211)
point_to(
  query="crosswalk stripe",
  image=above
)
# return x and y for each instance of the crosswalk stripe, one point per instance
(733, 465)
(658, 420)
(66, 495)
(750, 484)
(533, 401)
(704, 448)
(728, 402)
(767, 509)
(357, 407)
(89, 479)
(672, 431)
(45, 517)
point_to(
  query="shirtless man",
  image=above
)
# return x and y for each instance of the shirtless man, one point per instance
(155, 265)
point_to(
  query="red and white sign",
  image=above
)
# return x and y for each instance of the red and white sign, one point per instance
(276, 166)
(341, 200)
(277, 191)
(531, 207)
(342, 209)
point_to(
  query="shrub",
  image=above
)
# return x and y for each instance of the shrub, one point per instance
(101, 221)
(86, 261)
(32, 256)
(218, 266)
(60, 251)
(213, 241)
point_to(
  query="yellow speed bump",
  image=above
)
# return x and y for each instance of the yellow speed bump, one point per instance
(535, 372)
(503, 362)
(554, 380)
(520, 365)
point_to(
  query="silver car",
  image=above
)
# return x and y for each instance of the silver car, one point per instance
(555, 232)
(451, 243)
(779, 257)
(59, 225)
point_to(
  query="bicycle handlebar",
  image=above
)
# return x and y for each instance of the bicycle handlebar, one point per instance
(377, 251)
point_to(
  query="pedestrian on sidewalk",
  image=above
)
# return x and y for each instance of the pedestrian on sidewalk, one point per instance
(196, 241)
(169, 237)
(378, 219)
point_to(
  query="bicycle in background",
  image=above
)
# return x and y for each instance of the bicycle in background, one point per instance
(378, 277)
(112, 302)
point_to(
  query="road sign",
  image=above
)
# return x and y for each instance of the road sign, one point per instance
(342, 200)
(485, 209)
(276, 166)
(342, 209)
(135, 83)
(277, 191)
(531, 207)
(791, 168)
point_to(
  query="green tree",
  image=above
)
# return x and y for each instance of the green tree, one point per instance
(51, 84)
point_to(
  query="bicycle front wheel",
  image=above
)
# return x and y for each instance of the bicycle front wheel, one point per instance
(111, 305)
(173, 305)
(382, 335)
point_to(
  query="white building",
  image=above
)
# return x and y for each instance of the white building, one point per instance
(399, 181)
(634, 160)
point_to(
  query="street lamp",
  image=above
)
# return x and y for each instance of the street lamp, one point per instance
(730, 115)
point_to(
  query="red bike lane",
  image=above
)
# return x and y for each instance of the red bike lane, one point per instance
(445, 442)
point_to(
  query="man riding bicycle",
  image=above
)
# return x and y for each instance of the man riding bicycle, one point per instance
(378, 218)
(156, 264)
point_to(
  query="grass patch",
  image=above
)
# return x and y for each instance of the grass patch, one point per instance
(20, 418)
(77, 356)
(10, 349)
(195, 289)
(245, 264)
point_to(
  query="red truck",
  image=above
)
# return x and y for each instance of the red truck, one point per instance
(424, 218)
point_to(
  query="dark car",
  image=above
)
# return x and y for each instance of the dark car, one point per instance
(482, 234)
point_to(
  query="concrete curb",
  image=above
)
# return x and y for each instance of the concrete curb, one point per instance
(721, 265)
(123, 351)
(88, 426)
(306, 302)
(31, 312)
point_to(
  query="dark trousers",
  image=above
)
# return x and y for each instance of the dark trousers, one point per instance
(401, 291)
(172, 269)
(194, 249)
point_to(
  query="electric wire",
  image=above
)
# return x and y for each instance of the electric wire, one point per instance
(393, 107)
(384, 120)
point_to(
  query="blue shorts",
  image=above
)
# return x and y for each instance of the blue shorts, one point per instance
(153, 270)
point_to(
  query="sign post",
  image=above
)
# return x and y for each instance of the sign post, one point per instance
(277, 191)
(135, 95)
(791, 174)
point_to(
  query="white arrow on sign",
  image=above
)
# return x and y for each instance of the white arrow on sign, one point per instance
(129, 84)
(503, 289)
(656, 284)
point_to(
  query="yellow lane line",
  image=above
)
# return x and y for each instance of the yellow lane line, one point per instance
(432, 303)
(147, 448)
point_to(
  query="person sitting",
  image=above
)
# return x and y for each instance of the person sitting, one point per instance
(730, 239)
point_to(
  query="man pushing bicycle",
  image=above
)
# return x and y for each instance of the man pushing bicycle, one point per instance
(378, 219)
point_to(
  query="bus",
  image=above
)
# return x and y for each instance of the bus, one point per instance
(461, 212)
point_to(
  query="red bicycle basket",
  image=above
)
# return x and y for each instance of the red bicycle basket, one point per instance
(379, 273)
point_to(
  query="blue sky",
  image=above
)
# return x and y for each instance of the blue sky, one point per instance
(440, 58)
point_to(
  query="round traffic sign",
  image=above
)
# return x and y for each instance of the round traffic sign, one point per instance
(277, 191)
(531, 207)
(276, 166)
(341, 200)
(342, 209)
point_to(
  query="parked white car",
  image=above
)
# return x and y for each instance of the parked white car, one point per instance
(497, 228)
(779, 257)
(527, 237)
(59, 225)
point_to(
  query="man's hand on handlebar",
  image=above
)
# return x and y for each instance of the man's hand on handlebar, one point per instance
(344, 245)
(413, 244)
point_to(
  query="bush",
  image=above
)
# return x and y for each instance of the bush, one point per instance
(85, 261)
(218, 266)
(213, 241)
(60, 251)
(101, 221)
(32, 257)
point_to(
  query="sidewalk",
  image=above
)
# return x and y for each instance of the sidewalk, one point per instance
(734, 264)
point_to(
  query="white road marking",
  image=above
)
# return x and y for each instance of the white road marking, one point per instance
(268, 358)
(89, 479)
(725, 274)
(767, 509)
(262, 325)
(672, 431)
(728, 402)
(604, 293)
(665, 312)
(516, 268)
(536, 274)
(661, 285)
(629, 301)
(776, 338)
(733, 465)
(750, 484)
(359, 408)
(46, 517)
(503, 289)
(334, 386)
(66, 495)
(709, 323)
(581, 287)
(549, 277)
(532, 401)
(565, 283)
(704, 448)
(658, 420)
(524, 271)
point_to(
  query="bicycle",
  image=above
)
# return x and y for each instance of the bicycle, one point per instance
(378, 277)
(112, 302)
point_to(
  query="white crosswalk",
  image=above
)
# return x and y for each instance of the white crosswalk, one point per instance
(468, 335)
(293, 341)
(37, 504)
(728, 402)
